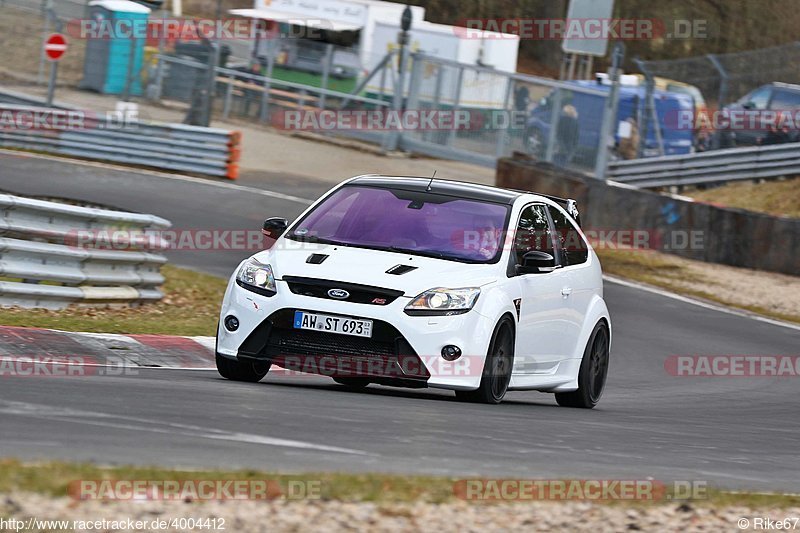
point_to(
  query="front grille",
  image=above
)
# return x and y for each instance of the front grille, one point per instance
(387, 355)
(360, 294)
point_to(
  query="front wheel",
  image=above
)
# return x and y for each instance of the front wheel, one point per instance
(497, 368)
(592, 374)
(236, 370)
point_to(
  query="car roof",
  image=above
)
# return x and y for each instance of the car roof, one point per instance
(783, 85)
(460, 189)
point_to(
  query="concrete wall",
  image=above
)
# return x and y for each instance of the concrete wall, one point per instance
(720, 235)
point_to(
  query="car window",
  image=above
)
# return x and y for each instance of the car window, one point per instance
(759, 98)
(785, 100)
(573, 249)
(532, 233)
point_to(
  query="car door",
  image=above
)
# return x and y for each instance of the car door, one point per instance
(576, 281)
(543, 317)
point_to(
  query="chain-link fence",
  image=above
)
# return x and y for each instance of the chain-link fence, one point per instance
(723, 78)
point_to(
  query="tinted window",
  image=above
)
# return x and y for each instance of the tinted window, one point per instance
(785, 100)
(533, 232)
(758, 98)
(573, 249)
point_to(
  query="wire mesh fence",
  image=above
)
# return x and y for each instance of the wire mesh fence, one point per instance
(723, 78)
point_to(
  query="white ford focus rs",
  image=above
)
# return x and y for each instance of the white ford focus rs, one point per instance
(420, 282)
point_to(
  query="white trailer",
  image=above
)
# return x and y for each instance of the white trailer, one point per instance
(369, 30)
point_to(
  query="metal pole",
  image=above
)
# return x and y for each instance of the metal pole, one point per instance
(606, 140)
(51, 87)
(459, 82)
(271, 53)
(503, 133)
(47, 7)
(555, 116)
(327, 63)
(721, 96)
(393, 139)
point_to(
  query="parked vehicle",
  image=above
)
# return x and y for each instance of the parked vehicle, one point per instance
(747, 123)
(676, 139)
(439, 298)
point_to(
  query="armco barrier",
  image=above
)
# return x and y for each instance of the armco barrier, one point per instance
(41, 265)
(729, 236)
(193, 149)
(717, 166)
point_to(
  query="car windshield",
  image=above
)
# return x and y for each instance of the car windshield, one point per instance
(415, 222)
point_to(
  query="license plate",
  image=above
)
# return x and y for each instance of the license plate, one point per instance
(333, 324)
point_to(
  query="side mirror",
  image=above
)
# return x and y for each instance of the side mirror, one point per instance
(749, 105)
(536, 261)
(274, 227)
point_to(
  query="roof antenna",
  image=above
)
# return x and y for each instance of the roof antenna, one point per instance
(430, 183)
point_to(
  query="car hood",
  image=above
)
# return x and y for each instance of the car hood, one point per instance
(369, 267)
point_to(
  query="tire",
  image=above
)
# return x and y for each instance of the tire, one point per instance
(234, 370)
(592, 374)
(497, 369)
(353, 383)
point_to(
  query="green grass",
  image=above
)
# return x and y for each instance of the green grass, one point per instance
(780, 198)
(54, 478)
(190, 307)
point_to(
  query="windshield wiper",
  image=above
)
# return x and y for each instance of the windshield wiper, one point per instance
(315, 239)
(425, 253)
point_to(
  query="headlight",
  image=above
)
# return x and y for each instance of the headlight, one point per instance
(442, 301)
(256, 277)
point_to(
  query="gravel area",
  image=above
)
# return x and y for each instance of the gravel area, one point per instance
(252, 516)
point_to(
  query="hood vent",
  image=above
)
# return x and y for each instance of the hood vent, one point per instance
(316, 259)
(399, 270)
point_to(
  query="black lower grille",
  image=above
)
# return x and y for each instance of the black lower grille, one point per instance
(306, 342)
(386, 355)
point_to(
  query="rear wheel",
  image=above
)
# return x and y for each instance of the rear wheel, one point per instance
(592, 374)
(241, 371)
(497, 369)
(353, 383)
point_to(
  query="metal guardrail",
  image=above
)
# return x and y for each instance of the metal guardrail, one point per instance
(716, 166)
(44, 261)
(208, 151)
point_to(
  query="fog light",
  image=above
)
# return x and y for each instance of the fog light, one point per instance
(451, 353)
(231, 323)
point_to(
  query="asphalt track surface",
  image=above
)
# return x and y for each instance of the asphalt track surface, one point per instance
(731, 432)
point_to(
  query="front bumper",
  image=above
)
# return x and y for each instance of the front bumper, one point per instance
(412, 342)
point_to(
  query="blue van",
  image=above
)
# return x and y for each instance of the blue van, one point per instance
(675, 113)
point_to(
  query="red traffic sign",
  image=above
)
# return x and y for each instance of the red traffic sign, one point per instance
(55, 46)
